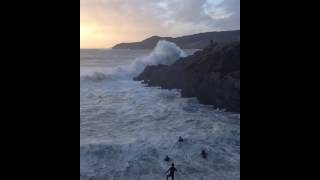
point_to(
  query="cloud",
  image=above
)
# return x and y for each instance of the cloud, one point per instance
(132, 20)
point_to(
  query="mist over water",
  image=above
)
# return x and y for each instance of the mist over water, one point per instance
(126, 129)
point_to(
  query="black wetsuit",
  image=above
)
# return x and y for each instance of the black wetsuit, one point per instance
(204, 154)
(171, 172)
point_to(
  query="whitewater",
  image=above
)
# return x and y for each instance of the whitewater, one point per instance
(127, 129)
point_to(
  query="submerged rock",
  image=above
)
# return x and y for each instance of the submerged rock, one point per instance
(211, 75)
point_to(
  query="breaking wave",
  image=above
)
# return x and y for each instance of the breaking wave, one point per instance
(165, 53)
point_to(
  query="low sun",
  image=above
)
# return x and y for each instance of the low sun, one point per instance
(92, 36)
(87, 36)
(85, 32)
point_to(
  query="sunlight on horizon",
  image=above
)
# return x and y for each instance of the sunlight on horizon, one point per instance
(99, 36)
(90, 37)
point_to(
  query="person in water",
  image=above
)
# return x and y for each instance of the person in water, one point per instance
(167, 158)
(171, 171)
(180, 139)
(204, 154)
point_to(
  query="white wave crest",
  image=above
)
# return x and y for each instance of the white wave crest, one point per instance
(165, 53)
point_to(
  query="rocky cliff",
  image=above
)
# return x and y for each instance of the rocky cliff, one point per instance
(212, 75)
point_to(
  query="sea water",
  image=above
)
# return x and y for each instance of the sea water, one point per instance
(127, 129)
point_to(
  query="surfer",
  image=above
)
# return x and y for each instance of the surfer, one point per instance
(171, 171)
(167, 158)
(204, 154)
(180, 139)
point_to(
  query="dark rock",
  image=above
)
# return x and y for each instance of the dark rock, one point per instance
(212, 75)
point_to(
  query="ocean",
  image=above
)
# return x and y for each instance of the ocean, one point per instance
(127, 129)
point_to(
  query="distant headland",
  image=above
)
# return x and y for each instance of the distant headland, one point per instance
(195, 41)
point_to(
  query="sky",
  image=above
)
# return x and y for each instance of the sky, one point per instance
(104, 23)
